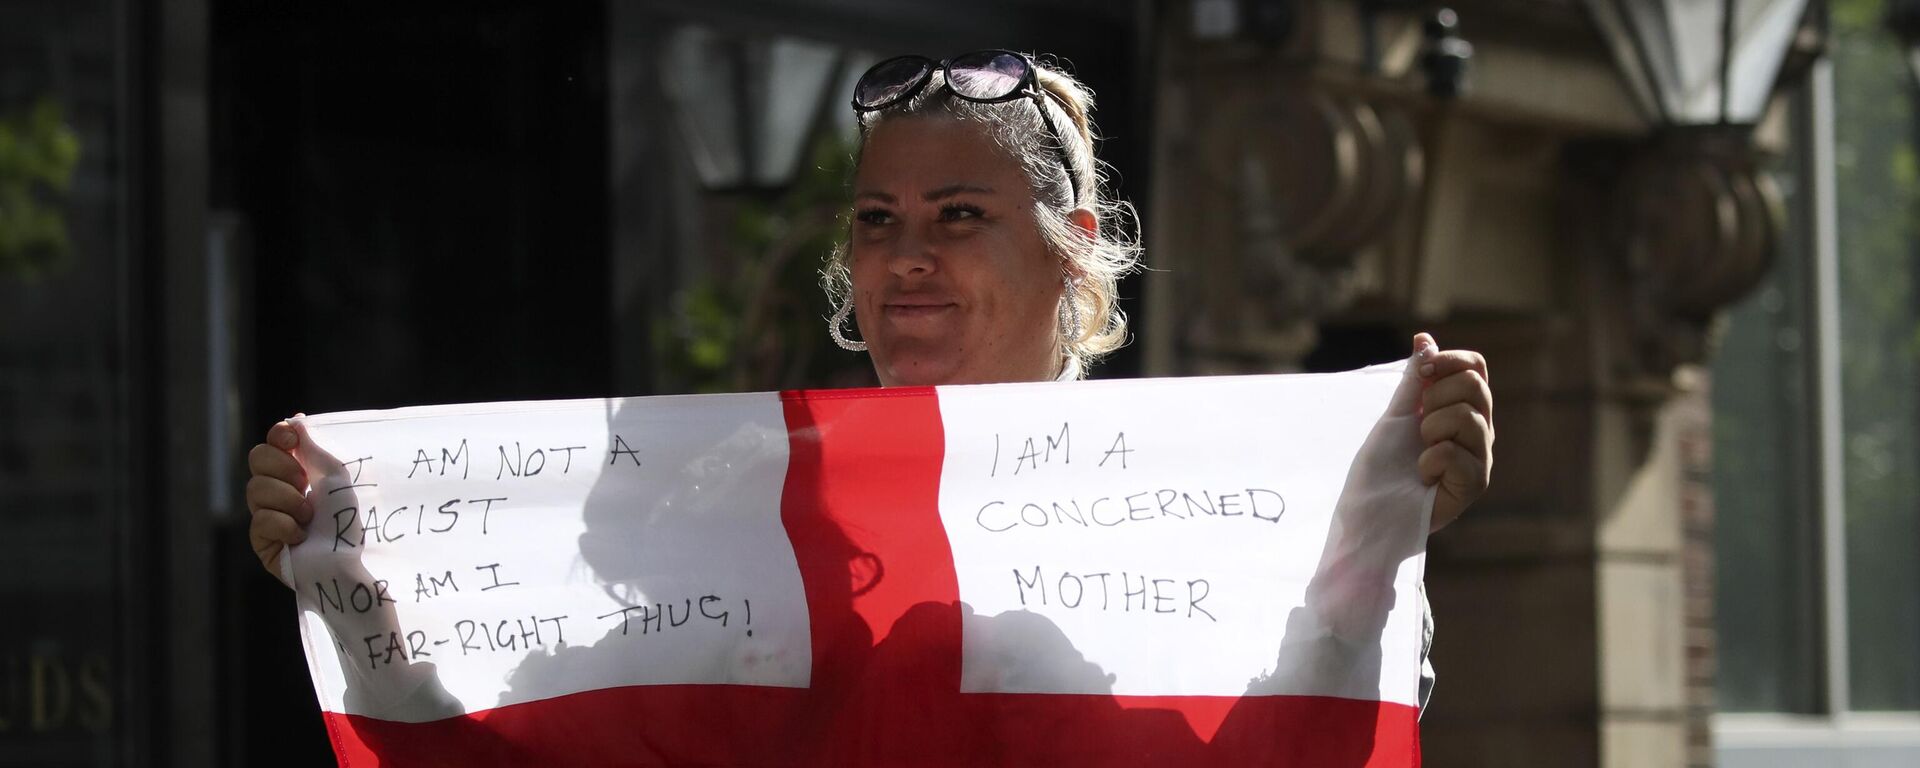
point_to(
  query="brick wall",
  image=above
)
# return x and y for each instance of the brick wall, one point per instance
(1694, 434)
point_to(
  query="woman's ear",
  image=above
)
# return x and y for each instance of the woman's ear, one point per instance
(1084, 220)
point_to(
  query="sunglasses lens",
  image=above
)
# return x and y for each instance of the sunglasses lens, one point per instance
(888, 79)
(987, 74)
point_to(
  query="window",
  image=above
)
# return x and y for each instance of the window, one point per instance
(1817, 435)
(1765, 489)
(1878, 199)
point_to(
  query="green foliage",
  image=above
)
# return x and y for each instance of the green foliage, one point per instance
(758, 321)
(38, 153)
(1854, 15)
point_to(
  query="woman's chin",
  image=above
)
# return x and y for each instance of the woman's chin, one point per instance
(921, 368)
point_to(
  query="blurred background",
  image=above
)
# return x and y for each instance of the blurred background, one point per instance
(1683, 232)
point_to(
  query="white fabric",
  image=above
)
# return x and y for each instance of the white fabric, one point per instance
(469, 556)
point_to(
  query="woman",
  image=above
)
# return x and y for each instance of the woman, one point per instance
(984, 248)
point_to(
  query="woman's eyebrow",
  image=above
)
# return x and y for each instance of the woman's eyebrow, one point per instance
(954, 189)
(875, 195)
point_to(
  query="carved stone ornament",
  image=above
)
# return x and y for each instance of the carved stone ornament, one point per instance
(1700, 224)
(1308, 180)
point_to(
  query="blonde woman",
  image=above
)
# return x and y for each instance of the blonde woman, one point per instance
(984, 248)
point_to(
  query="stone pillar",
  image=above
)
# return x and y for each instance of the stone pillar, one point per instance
(1574, 603)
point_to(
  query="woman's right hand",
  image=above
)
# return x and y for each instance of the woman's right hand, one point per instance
(276, 494)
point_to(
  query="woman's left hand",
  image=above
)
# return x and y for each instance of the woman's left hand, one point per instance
(1456, 423)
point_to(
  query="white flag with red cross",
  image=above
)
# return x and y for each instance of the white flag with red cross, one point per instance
(1203, 571)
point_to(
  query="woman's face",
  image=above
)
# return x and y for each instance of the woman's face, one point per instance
(952, 282)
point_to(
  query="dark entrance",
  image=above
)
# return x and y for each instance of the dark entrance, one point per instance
(420, 193)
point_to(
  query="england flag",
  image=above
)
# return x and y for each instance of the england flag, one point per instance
(1200, 571)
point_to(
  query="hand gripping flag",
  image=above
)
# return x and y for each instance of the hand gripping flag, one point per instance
(1177, 571)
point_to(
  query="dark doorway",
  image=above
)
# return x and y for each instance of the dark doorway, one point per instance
(419, 193)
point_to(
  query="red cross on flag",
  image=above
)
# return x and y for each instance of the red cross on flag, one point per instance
(1213, 571)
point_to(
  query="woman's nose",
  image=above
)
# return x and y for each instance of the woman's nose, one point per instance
(912, 255)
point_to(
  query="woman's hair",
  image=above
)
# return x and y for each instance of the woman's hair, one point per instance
(1094, 262)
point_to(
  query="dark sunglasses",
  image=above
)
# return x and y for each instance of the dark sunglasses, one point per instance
(984, 77)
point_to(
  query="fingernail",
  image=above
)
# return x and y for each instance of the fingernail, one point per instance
(283, 439)
(1427, 351)
(1426, 369)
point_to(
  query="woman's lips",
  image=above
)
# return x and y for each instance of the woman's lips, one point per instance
(917, 311)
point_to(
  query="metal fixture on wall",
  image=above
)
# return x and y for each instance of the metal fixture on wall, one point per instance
(746, 106)
(1699, 62)
(1698, 220)
(1445, 55)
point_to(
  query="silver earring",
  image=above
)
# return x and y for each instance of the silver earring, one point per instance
(840, 337)
(1071, 313)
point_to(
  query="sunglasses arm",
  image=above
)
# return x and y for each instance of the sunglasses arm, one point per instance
(1059, 139)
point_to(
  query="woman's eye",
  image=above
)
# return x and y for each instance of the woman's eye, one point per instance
(873, 216)
(959, 213)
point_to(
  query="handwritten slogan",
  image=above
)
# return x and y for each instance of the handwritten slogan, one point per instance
(1171, 528)
(545, 546)
(1168, 534)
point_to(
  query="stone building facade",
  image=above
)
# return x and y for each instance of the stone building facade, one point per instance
(1327, 179)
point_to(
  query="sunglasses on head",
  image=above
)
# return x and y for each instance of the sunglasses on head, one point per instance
(983, 77)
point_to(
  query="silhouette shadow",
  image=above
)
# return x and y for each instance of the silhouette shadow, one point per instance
(337, 496)
(1332, 643)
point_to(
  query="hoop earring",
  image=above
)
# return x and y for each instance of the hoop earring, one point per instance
(840, 337)
(1071, 313)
